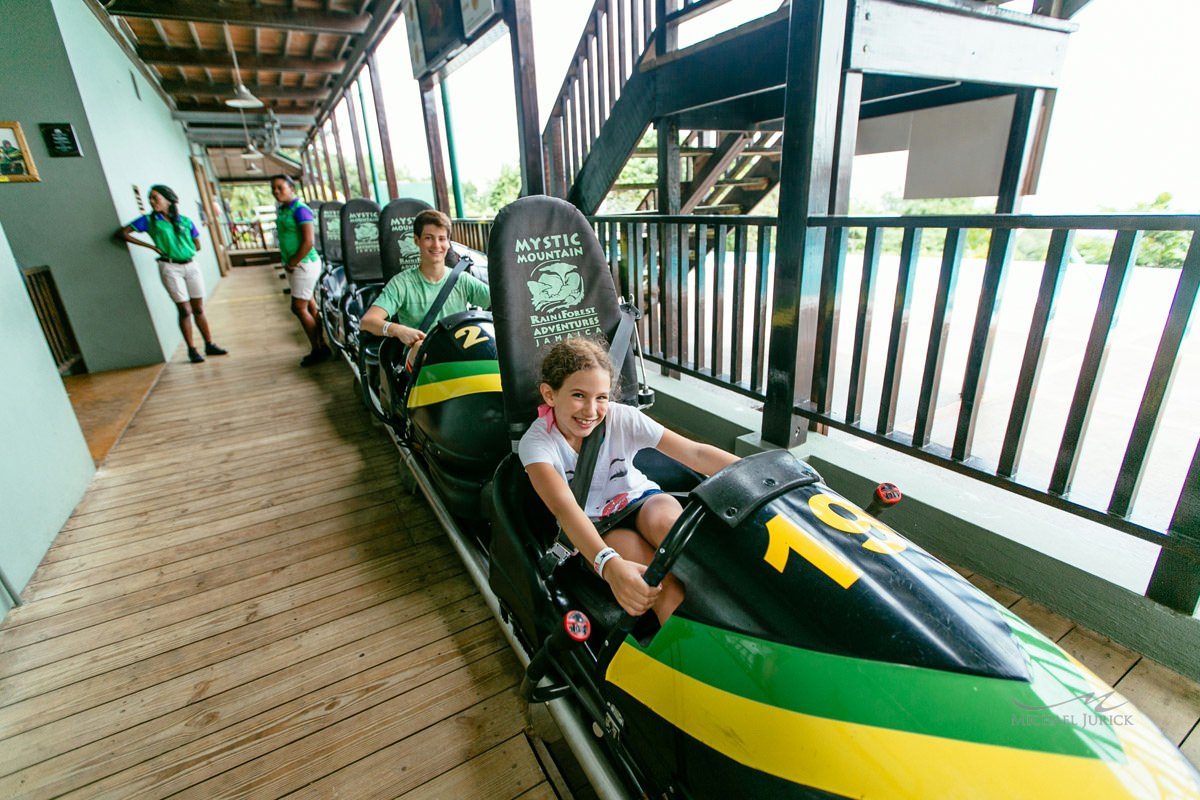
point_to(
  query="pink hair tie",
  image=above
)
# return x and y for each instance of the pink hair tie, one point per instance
(547, 413)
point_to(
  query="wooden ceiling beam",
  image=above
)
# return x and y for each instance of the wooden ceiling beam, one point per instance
(186, 57)
(239, 14)
(218, 107)
(196, 89)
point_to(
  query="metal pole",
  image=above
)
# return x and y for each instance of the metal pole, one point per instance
(454, 184)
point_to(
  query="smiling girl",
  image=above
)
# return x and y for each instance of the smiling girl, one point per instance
(626, 515)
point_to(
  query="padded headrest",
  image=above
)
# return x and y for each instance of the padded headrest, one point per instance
(360, 241)
(330, 231)
(399, 249)
(549, 282)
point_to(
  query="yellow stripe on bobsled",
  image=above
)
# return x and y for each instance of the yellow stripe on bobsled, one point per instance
(429, 393)
(855, 760)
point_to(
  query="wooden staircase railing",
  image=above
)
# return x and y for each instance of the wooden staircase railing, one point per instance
(616, 36)
(615, 40)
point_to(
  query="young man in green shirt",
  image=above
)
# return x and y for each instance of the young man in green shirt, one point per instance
(295, 227)
(407, 297)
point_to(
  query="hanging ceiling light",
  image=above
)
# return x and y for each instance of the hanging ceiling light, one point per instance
(250, 151)
(242, 97)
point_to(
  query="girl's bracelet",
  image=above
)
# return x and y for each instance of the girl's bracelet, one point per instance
(602, 558)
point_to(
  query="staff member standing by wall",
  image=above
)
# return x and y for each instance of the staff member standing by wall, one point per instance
(176, 240)
(295, 226)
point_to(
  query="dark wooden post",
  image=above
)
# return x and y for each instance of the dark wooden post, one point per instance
(520, 35)
(328, 166)
(433, 140)
(337, 143)
(816, 36)
(1012, 174)
(1176, 579)
(668, 202)
(364, 185)
(385, 140)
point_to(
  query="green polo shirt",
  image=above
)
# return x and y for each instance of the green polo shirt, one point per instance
(176, 241)
(288, 220)
(407, 297)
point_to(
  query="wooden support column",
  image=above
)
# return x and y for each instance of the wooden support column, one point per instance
(1012, 174)
(385, 139)
(364, 185)
(328, 166)
(529, 138)
(433, 141)
(816, 37)
(337, 143)
(846, 141)
(316, 160)
(668, 202)
(211, 204)
(1176, 579)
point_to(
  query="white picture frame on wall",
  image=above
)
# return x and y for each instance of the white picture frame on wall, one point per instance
(416, 49)
(476, 14)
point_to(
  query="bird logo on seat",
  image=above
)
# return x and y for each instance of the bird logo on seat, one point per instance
(556, 287)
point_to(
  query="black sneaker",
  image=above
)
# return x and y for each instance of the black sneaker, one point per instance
(194, 355)
(211, 349)
(315, 357)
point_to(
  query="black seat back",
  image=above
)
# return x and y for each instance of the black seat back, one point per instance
(397, 246)
(360, 242)
(549, 281)
(330, 232)
(318, 245)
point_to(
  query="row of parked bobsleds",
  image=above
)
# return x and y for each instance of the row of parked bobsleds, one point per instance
(818, 653)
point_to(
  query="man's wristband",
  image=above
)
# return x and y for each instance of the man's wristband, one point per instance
(602, 558)
(386, 324)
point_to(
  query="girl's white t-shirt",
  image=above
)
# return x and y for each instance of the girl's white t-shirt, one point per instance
(616, 480)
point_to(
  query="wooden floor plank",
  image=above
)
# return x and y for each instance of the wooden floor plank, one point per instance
(1171, 700)
(508, 770)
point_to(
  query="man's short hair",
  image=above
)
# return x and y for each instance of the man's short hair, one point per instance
(285, 178)
(430, 216)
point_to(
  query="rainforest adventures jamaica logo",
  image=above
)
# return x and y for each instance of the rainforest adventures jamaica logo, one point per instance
(556, 289)
(401, 229)
(365, 225)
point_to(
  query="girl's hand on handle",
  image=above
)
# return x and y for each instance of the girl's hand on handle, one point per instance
(629, 587)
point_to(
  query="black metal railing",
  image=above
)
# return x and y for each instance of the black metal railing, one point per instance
(990, 345)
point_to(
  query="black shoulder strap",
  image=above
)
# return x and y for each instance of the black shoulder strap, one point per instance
(440, 300)
(585, 465)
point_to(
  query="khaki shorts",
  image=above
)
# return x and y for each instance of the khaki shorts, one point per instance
(303, 278)
(182, 281)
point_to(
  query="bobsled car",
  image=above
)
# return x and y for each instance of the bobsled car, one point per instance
(442, 404)
(818, 653)
(331, 284)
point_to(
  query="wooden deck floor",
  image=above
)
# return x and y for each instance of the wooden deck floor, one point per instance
(247, 603)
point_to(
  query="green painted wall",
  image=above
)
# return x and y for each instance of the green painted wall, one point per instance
(46, 465)
(64, 67)
(138, 143)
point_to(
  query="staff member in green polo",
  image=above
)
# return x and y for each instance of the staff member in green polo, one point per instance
(295, 226)
(176, 240)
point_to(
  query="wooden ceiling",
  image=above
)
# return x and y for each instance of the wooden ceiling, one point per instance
(297, 56)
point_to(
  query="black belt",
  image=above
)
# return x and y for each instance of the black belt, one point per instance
(175, 260)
